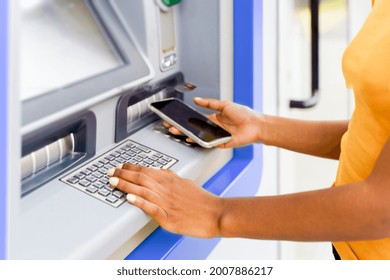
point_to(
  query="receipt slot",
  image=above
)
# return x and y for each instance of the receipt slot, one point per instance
(74, 102)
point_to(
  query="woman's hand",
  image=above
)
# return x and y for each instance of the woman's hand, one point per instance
(177, 204)
(242, 122)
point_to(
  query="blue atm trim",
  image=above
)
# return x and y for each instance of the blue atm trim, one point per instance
(241, 176)
(3, 125)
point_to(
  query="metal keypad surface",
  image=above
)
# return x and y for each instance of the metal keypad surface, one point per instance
(92, 177)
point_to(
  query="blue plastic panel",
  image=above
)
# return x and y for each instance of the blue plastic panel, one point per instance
(241, 176)
(3, 124)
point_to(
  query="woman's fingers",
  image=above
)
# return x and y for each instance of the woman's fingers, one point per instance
(177, 204)
(145, 191)
(140, 176)
(137, 180)
(155, 173)
(173, 130)
(150, 208)
(212, 104)
(142, 191)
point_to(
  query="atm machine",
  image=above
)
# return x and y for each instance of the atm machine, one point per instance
(76, 78)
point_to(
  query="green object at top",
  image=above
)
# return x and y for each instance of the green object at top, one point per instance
(170, 2)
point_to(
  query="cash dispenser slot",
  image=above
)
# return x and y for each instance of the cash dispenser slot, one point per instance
(132, 111)
(52, 150)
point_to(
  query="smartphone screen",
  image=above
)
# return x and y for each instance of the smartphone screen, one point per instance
(190, 122)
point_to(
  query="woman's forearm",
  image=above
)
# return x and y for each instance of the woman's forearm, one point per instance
(337, 214)
(317, 138)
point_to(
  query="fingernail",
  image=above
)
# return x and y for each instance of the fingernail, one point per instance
(198, 98)
(114, 181)
(131, 198)
(154, 167)
(111, 172)
(120, 166)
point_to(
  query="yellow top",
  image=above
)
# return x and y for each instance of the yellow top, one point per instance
(366, 67)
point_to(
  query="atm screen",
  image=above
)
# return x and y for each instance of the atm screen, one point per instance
(61, 43)
(73, 52)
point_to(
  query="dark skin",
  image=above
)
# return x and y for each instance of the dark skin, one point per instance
(357, 211)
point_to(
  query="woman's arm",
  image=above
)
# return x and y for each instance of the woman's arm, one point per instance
(358, 211)
(318, 138)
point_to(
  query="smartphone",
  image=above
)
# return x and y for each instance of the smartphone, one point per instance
(192, 123)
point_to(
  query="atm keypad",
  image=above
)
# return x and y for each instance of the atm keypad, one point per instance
(92, 178)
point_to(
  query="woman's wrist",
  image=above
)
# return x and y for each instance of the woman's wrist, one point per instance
(227, 218)
(216, 217)
(261, 121)
(219, 217)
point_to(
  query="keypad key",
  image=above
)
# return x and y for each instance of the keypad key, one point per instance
(157, 165)
(104, 161)
(132, 161)
(145, 149)
(103, 170)
(99, 185)
(118, 193)
(92, 189)
(126, 157)
(154, 158)
(167, 159)
(129, 146)
(91, 178)
(121, 159)
(115, 154)
(111, 199)
(86, 172)
(80, 176)
(148, 161)
(110, 165)
(143, 155)
(130, 153)
(73, 180)
(117, 162)
(98, 164)
(104, 180)
(138, 159)
(109, 158)
(97, 174)
(104, 192)
(135, 150)
(92, 168)
(84, 183)
(162, 162)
